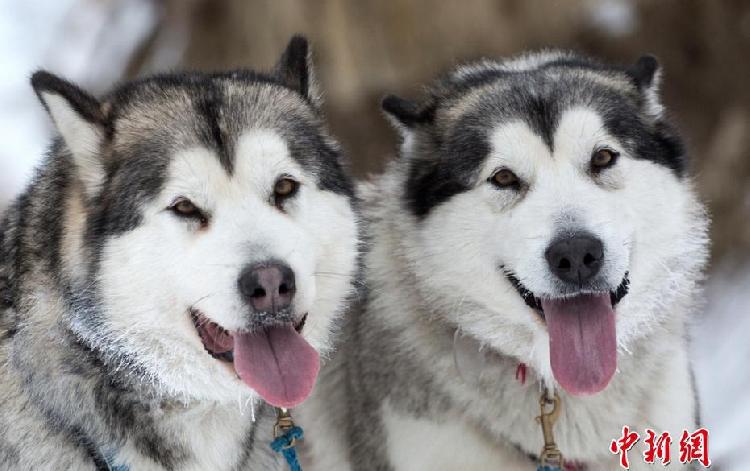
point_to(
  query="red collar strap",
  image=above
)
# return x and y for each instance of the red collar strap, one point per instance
(521, 373)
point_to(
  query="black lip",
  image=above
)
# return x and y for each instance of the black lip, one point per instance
(226, 356)
(528, 297)
(301, 324)
(536, 303)
(620, 292)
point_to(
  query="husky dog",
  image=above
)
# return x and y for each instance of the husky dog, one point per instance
(183, 251)
(539, 219)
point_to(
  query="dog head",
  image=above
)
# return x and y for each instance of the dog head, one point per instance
(552, 215)
(217, 235)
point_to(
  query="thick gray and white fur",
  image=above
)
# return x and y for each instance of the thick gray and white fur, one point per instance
(457, 269)
(147, 209)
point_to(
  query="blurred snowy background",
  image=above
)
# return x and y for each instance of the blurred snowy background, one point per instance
(366, 48)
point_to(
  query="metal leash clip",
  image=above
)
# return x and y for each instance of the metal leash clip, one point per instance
(550, 455)
(284, 423)
(286, 435)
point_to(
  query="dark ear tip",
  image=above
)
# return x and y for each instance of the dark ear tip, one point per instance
(42, 80)
(83, 103)
(643, 70)
(403, 109)
(406, 112)
(298, 45)
(299, 38)
(391, 103)
(648, 63)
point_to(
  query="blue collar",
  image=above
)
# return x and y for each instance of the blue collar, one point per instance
(286, 436)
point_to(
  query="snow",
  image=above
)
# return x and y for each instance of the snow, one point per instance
(721, 352)
(86, 41)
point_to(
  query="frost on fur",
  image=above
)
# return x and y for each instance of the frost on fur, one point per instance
(542, 202)
(177, 266)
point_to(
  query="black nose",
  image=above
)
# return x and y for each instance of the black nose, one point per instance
(576, 258)
(267, 287)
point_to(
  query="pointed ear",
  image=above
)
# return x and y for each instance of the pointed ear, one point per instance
(405, 114)
(295, 70)
(646, 75)
(79, 119)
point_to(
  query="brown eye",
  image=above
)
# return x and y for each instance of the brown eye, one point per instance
(284, 188)
(504, 178)
(603, 158)
(185, 208)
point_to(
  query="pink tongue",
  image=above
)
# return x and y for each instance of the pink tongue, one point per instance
(277, 363)
(582, 342)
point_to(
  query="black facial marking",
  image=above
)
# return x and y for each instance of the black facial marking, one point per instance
(431, 182)
(451, 152)
(657, 142)
(132, 180)
(208, 108)
(429, 185)
(312, 150)
(139, 174)
(542, 115)
(144, 176)
(333, 175)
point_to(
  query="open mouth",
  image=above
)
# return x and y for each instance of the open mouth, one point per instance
(219, 342)
(534, 302)
(276, 361)
(582, 335)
